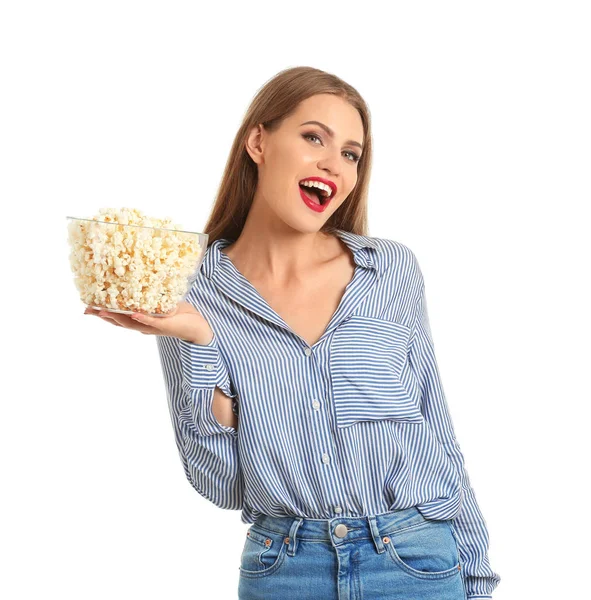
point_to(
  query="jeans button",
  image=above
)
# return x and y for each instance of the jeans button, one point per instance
(341, 530)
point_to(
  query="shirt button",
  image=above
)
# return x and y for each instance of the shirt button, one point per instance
(325, 458)
(316, 404)
(209, 367)
(307, 351)
(338, 509)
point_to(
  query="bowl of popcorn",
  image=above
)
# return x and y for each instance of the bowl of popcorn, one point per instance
(124, 261)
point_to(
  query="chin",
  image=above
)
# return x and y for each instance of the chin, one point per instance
(305, 227)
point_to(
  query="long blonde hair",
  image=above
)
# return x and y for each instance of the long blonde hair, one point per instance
(276, 100)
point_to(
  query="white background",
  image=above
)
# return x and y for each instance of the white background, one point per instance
(481, 116)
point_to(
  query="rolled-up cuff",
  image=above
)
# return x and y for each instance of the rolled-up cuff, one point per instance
(202, 415)
(200, 363)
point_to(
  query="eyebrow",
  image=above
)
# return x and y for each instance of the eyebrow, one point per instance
(331, 132)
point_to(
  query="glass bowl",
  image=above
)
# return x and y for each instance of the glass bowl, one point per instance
(131, 268)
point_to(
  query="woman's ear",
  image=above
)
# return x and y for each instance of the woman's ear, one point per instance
(255, 142)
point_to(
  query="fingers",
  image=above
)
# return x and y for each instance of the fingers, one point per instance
(135, 321)
(109, 317)
(112, 321)
(153, 322)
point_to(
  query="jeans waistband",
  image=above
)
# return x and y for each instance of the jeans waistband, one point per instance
(332, 530)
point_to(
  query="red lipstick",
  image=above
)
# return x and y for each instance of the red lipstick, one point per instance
(310, 202)
(331, 184)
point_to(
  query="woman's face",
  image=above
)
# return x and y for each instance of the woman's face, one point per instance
(298, 150)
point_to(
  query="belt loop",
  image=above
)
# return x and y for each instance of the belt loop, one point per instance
(291, 549)
(375, 533)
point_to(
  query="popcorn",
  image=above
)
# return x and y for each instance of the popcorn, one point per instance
(126, 261)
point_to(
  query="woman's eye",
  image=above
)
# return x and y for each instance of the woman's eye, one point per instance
(355, 158)
(311, 135)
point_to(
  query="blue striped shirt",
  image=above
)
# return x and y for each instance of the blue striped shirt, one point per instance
(355, 425)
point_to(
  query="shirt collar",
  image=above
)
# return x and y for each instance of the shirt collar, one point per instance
(364, 248)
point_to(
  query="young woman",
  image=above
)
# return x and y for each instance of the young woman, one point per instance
(301, 374)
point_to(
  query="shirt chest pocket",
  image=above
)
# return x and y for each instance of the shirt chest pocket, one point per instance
(368, 361)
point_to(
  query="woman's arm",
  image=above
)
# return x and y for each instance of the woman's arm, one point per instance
(207, 446)
(469, 524)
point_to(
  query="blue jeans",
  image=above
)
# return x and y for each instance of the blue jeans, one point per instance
(396, 555)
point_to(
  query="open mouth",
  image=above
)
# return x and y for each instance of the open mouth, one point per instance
(316, 194)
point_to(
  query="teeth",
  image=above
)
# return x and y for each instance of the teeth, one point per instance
(322, 186)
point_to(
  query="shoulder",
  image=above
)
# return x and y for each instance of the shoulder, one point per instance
(397, 259)
(201, 289)
(394, 249)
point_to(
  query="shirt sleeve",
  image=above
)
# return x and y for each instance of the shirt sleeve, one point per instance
(469, 526)
(208, 449)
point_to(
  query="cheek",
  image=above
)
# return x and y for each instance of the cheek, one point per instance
(342, 197)
(274, 182)
(335, 205)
